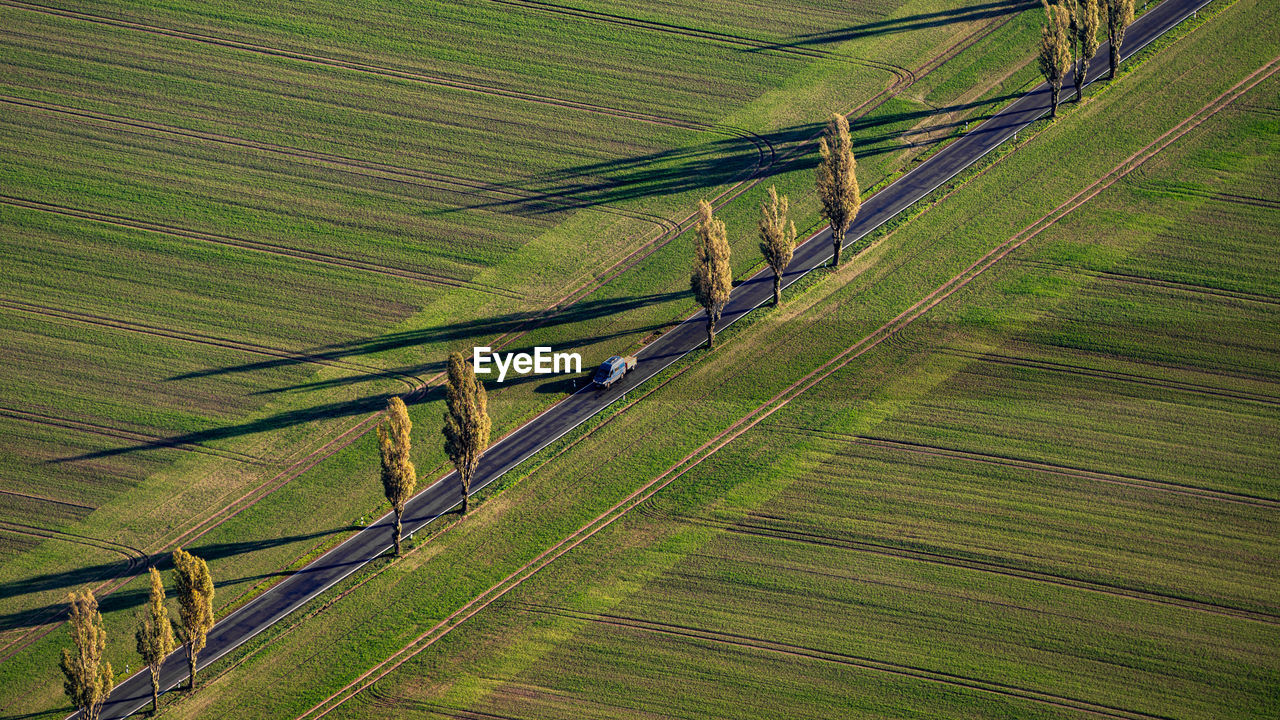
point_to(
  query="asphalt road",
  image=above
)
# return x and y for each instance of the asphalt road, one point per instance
(444, 495)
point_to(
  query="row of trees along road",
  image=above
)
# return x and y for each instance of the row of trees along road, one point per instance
(837, 188)
(89, 678)
(1071, 29)
(466, 418)
(1070, 35)
(466, 437)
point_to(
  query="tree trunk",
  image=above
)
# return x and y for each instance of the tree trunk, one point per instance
(1055, 88)
(835, 247)
(466, 501)
(1115, 61)
(155, 692)
(777, 288)
(711, 332)
(397, 532)
(1080, 73)
(191, 667)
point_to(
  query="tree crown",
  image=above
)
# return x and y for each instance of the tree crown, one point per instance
(837, 180)
(194, 587)
(399, 478)
(777, 234)
(466, 419)
(712, 277)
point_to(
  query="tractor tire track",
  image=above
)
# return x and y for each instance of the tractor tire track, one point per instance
(363, 168)
(1132, 378)
(1164, 283)
(1194, 491)
(729, 39)
(989, 565)
(252, 245)
(135, 561)
(410, 75)
(122, 434)
(410, 382)
(863, 662)
(41, 498)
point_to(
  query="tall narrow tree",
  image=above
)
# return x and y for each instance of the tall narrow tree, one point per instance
(1055, 49)
(1119, 15)
(195, 605)
(1085, 20)
(155, 637)
(466, 422)
(777, 239)
(838, 182)
(398, 475)
(89, 678)
(712, 278)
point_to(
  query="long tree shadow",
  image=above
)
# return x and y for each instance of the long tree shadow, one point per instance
(920, 21)
(696, 167)
(431, 368)
(705, 166)
(867, 143)
(449, 334)
(376, 402)
(123, 600)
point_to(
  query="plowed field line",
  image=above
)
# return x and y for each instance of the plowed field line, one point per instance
(987, 565)
(410, 381)
(1086, 371)
(1162, 283)
(41, 498)
(859, 661)
(1198, 492)
(253, 245)
(372, 169)
(411, 75)
(721, 38)
(122, 434)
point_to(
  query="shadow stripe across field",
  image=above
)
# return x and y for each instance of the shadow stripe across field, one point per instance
(445, 494)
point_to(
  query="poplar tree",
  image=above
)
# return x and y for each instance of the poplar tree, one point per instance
(466, 422)
(712, 278)
(1055, 49)
(777, 239)
(195, 604)
(1119, 15)
(155, 637)
(89, 678)
(398, 475)
(1085, 20)
(837, 182)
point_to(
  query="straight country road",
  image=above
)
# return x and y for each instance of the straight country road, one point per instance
(445, 494)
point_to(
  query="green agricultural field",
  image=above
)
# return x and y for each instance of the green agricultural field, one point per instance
(231, 230)
(1052, 494)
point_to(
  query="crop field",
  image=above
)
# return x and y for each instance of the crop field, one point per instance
(1052, 494)
(231, 230)
(1054, 497)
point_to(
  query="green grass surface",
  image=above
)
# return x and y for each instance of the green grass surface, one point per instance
(1058, 485)
(186, 215)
